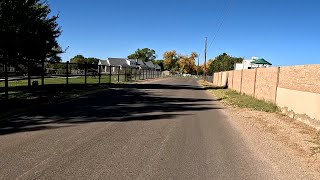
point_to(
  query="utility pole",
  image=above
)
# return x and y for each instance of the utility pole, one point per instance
(205, 59)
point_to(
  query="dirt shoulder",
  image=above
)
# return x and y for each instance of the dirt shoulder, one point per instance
(284, 142)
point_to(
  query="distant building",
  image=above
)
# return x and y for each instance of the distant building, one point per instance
(104, 64)
(150, 65)
(127, 63)
(166, 73)
(10, 69)
(250, 64)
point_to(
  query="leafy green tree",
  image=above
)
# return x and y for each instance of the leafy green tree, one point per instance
(144, 54)
(160, 63)
(27, 32)
(93, 60)
(80, 61)
(223, 62)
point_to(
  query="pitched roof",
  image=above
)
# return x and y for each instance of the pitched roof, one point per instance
(133, 62)
(104, 62)
(142, 64)
(118, 62)
(149, 64)
(157, 66)
(261, 61)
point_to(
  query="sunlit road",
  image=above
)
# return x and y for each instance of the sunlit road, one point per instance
(167, 129)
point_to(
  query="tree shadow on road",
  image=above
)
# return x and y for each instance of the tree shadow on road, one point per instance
(120, 103)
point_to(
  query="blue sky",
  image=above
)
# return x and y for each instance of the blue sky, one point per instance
(285, 32)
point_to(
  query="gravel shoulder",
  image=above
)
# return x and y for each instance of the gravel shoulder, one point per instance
(284, 142)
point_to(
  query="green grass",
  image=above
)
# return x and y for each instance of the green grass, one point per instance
(243, 101)
(72, 80)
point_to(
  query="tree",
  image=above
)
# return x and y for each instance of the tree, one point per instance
(223, 62)
(187, 63)
(92, 60)
(160, 63)
(170, 60)
(80, 61)
(144, 54)
(27, 32)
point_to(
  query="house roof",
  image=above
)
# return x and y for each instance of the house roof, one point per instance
(133, 62)
(104, 62)
(261, 61)
(150, 64)
(157, 66)
(118, 62)
(142, 64)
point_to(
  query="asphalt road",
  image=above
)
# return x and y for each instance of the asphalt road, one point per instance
(167, 129)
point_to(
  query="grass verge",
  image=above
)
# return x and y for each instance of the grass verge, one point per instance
(243, 101)
(234, 98)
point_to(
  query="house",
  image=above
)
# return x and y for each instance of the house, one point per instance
(133, 63)
(142, 65)
(150, 65)
(104, 64)
(166, 73)
(118, 62)
(127, 63)
(157, 67)
(251, 64)
(10, 69)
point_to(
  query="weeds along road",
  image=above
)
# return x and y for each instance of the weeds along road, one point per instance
(167, 129)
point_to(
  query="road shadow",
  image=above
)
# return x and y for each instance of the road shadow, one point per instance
(118, 103)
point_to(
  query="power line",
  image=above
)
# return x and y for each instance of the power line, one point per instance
(222, 17)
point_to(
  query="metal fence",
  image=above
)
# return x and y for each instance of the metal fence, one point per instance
(41, 74)
(209, 79)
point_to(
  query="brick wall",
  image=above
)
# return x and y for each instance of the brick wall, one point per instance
(266, 84)
(248, 80)
(301, 78)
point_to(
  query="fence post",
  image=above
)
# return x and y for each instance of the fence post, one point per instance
(143, 74)
(6, 83)
(130, 74)
(67, 73)
(110, 75)
(119, 74)
(135, 74)
(99, 73)
(29, 76)
(139, 74)
(125, 74)
(85, 73)
(42, 74)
